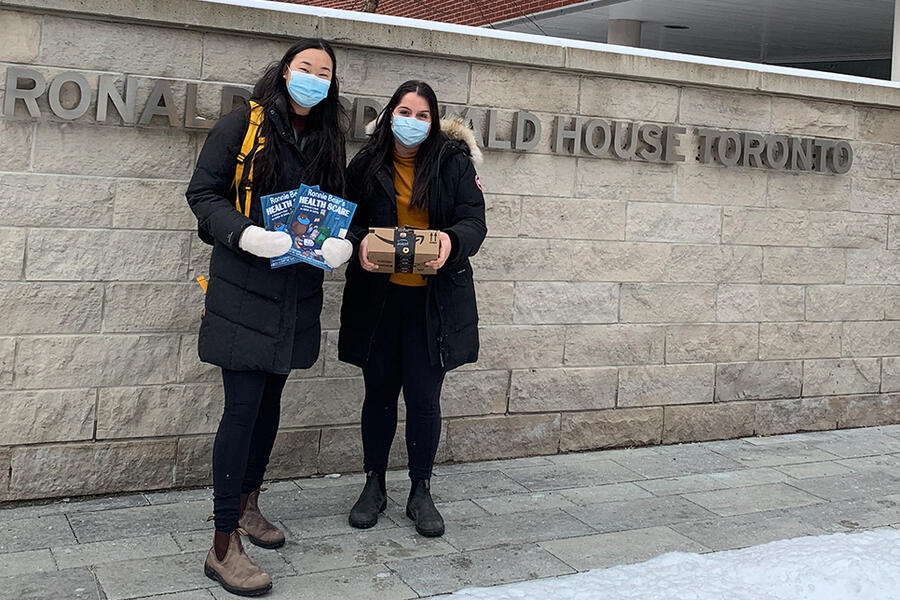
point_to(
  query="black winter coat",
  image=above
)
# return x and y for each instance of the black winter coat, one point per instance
(456, 206)
(256, 318)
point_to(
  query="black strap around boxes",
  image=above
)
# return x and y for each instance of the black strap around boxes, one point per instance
(404, 250)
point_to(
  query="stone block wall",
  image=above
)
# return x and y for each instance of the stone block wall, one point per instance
(621, 303)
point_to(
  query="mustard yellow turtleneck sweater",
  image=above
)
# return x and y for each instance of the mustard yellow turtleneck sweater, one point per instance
(407, 216)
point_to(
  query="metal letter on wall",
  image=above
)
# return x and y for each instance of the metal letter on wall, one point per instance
(590, 131)
(107, 92)
(625, 152)
(524, 123)
(472, 116)
(753, 144)
(671, 144)
(362, 108)
(84, 95)
(651, 137)
(777, 151)
(572, 135)
(563, 136)
(162, 90)
(191, 119)
(841, 158)
(801, 152)
(820, 157)
(707, 139)
(229, 93)
(728, 148)
(28, 96)
(492, 142)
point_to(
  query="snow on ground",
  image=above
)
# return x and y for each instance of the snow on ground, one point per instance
(855, 566)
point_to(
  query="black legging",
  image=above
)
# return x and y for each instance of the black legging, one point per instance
(399, 358)
(244, 440)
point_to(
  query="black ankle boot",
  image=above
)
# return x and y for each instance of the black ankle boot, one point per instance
(372, 501)
(420, 508)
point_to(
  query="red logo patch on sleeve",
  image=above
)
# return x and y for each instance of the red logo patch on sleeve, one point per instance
(478, 182)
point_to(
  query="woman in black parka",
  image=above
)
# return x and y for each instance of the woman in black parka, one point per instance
(407, 331)
(259, 322)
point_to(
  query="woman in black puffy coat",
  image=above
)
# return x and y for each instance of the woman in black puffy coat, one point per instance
(259, 322)
(404, 330)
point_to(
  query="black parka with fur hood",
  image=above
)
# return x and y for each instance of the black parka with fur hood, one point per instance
(456, 207)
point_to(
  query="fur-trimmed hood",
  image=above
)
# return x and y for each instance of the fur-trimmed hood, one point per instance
(456, 129)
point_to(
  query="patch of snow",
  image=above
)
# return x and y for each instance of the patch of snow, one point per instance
(843, 566)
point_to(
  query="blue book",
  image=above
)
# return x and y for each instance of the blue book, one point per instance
(277, 209)
(314, 216)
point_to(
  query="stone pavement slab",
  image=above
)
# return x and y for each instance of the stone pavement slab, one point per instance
(773, 454)
(491, 566)
(459, 486)
(125, 522)
(607, 517)
(672, 461)
(853, 445)
(555, 477)
(620, 548)
(97, 553)
(318, 502)
(850, 515)
(813, 470)
(519, 503)
(493, 465)
(852, 485)
(536, 526)
(604, 493)
(31, 534)
(684, 484)
(360, 548)
(65, 507)
(71, 584)
(749, 477)
(739, 501)
(728, 533)
(506, 520)
(29, 561)
(316, 527)
(358, 583)
(136, 578)
(192, 595)
(451, 511)
(885, 463)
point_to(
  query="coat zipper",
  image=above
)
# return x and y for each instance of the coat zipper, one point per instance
(384, 302)
(433, 206)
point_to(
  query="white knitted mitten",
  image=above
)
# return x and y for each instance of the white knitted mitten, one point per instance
(265, 244)
(336, 251)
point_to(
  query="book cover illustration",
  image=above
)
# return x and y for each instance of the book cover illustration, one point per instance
(277, 209)
(314, 216)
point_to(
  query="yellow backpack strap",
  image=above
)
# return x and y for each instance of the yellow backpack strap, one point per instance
(243, 181)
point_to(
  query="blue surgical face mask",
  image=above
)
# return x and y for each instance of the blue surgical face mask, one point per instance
(408, 131)
(307, 90)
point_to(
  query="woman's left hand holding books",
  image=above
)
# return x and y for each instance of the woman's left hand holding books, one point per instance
(336, 251)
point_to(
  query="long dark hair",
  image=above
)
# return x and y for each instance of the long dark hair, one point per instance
(380, 147)
(324, 124)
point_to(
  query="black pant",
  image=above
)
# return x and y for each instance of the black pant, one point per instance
(399, 358)
(244, 440)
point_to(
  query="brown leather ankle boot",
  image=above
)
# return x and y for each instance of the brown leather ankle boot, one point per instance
(260, 531)
(236, 572)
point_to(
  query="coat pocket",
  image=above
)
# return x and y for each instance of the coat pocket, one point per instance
(460, 295)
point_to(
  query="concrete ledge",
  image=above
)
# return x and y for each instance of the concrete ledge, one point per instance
(391, 36)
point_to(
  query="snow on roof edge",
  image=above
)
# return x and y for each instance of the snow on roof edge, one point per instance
(550, 41)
